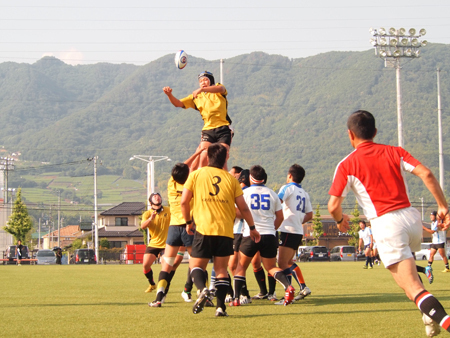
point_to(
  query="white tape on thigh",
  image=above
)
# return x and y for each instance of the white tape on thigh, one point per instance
(169, 260)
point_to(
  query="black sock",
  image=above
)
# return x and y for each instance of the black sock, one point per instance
(281, 278)
(367, 260)
(199, 278)
(149, 275)
(429, 263)
(221, 292)
(272, 283)
(230, 288)
(288, 274)
(261, 279)
(239, 282)
(162, 285)
(429, 305)
(189, 282)
(446, 266)
(420, 269)
(172, 273)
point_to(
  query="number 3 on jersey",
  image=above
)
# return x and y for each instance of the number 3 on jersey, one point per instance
(301, 203)
(260, 201)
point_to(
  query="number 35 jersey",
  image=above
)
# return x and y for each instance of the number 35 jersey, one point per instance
(296, 204)
(214, 192)
(263, 202)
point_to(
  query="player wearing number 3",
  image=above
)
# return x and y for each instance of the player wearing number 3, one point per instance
(296, 211)
(215, 192)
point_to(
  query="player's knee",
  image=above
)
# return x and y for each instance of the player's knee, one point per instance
(169, 260)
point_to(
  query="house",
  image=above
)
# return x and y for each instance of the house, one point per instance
(66, 236)
(120, 224)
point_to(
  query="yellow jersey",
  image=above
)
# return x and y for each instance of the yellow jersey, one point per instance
(158, 228)
(212, 108)
(174, 191)
(214, 193)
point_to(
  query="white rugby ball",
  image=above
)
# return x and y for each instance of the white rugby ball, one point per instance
(181, 59)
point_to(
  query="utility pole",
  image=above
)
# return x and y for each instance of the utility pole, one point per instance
(221, 70)
(441, 151)
(95, 159)
(59, 218)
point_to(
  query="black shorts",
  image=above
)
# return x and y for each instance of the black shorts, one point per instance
(237, 242)
(438, 246)
(267, 246)
(292, 241)
(217, 135)
(178, 236)
(153, 251)
(210, 246)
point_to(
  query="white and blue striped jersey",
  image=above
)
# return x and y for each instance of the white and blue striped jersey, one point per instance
(263, 202)
(296, 204)
(438, 236)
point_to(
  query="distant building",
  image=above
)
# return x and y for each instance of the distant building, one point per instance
(120, 224)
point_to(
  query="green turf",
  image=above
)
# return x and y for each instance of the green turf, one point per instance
(109, 301)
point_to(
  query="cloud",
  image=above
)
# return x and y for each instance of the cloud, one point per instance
(71, 57)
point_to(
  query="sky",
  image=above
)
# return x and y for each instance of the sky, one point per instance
(138, 31)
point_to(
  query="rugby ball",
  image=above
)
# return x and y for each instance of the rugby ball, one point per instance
(181, 59)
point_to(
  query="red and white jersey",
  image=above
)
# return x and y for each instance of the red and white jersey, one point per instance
(375, 173)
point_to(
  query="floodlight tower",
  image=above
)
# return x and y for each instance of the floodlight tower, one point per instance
(392, 45)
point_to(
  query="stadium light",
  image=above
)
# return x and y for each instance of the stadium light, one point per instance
(150, 175)
(392, 45)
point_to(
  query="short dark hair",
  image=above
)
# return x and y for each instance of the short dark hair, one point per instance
(297, 172)
(180, 172)
(362, 124)
(258, 173)
(363, 222)
(244, 177)
(217, 155)
(237, 169)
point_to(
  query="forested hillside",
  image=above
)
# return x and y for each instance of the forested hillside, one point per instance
(284, 111)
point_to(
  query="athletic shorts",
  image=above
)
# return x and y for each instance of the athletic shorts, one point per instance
(267, 246)
(178, 236)
(367, 246)
(438, 246)
(153, 251)
(217, 135)
(397, 233)
(205, 246)
(292, 241)
(237, 242)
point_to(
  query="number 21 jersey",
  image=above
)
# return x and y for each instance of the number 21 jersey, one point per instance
(296, 204)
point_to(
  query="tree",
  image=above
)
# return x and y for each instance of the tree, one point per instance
(20, 222)
(354, 226)
(317, 225)
(104, 243)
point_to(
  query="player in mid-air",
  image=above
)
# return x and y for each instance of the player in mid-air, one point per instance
(214, 193)
(267, 213)
(296, 211)
(156, 220)
(210, 99)
(375, 174)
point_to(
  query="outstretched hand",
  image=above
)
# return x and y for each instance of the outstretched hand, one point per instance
(167, 90)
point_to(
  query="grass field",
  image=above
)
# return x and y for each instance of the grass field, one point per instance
(109, 301)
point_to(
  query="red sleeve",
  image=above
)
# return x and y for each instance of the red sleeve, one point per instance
(340, 181)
